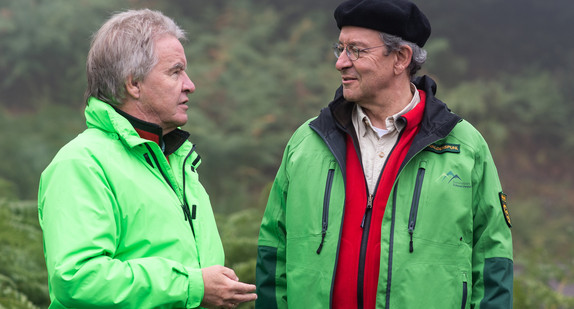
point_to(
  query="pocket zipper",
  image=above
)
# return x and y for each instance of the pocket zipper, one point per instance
(326, 201)
(415, 204)
(464, 291)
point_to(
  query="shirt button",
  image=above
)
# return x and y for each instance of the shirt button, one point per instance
(381, 154)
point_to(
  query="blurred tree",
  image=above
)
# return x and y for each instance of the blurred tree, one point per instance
(23, 277)
(503, 36)
(451, 68)
(255, 85)
(525, 114)
(539, 284)
(44, 46)
(30, 140)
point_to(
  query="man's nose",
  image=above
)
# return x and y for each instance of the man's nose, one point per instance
(188, 85)
(343, 61)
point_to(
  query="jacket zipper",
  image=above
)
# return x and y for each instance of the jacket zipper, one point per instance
(187, 213)
(415, 204)
(367, 215)
(366, 226)
(326, 202)
(159, 167)
(147, 159)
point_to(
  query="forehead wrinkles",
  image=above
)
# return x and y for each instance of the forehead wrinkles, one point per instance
(357, 36)
(359, 42)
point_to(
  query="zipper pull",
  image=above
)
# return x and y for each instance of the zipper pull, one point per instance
(323, 234)
(189, 215)
(322, 242)
(411, 232)
(186, 213)
(148, 160)
(369, 207)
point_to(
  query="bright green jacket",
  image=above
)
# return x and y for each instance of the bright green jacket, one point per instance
(115, 232)
(447, 199)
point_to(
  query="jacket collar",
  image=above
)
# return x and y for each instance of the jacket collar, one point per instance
(336, 119)
(133, 131)
(437, 118)
(147, 130)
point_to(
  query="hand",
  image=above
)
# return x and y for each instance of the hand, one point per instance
(222, 288)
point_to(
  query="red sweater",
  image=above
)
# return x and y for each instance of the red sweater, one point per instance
(345, 295)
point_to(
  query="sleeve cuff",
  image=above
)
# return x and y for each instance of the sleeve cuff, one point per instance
(195, 289)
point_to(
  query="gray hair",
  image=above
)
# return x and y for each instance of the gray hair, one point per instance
(123, 47)
(394, 43)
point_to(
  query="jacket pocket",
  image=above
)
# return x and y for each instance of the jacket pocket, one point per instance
(415, 202)
(432, 284)
(326, 202)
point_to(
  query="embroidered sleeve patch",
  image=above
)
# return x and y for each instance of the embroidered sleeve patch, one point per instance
(504, 208)
(442, 148)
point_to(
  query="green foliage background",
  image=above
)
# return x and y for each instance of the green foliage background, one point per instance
(261, 68)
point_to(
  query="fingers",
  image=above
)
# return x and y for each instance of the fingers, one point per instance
(229, 273)
(244, 288)
(242, 292)
(222, 288)
(242, 298)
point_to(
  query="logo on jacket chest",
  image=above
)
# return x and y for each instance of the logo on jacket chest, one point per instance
(452, 179)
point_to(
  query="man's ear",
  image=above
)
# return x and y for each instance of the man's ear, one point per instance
(133, 87)
(404, 58)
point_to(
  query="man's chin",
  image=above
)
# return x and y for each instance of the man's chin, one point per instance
(348, 95)
(180, 122)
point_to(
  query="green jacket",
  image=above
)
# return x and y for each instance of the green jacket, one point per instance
(115, 232)
(447, 195)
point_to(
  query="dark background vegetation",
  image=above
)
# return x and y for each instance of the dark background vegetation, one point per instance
(261, 68)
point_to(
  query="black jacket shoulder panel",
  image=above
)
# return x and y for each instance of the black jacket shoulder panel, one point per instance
(332, 134)
(438, 121)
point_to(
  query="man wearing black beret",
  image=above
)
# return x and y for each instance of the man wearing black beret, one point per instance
(387, 199)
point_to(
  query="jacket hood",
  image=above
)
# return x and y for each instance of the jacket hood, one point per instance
(102, 116)
(438, 121)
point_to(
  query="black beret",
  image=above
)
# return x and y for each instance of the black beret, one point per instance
(397, 17)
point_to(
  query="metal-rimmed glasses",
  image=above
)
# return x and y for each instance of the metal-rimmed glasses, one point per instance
(352, 51)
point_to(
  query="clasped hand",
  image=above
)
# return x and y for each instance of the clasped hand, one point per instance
(222, 288)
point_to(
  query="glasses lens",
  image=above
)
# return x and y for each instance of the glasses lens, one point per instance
(353, 52)
(338, 49)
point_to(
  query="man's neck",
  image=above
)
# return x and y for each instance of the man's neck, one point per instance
(391, 102)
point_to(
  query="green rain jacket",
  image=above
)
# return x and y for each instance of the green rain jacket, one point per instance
(113, 213)
(447, 195)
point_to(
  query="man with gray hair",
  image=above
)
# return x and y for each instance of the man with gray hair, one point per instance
(386, 199)
(126, 222)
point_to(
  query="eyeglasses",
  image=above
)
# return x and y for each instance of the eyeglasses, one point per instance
(353, 52)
